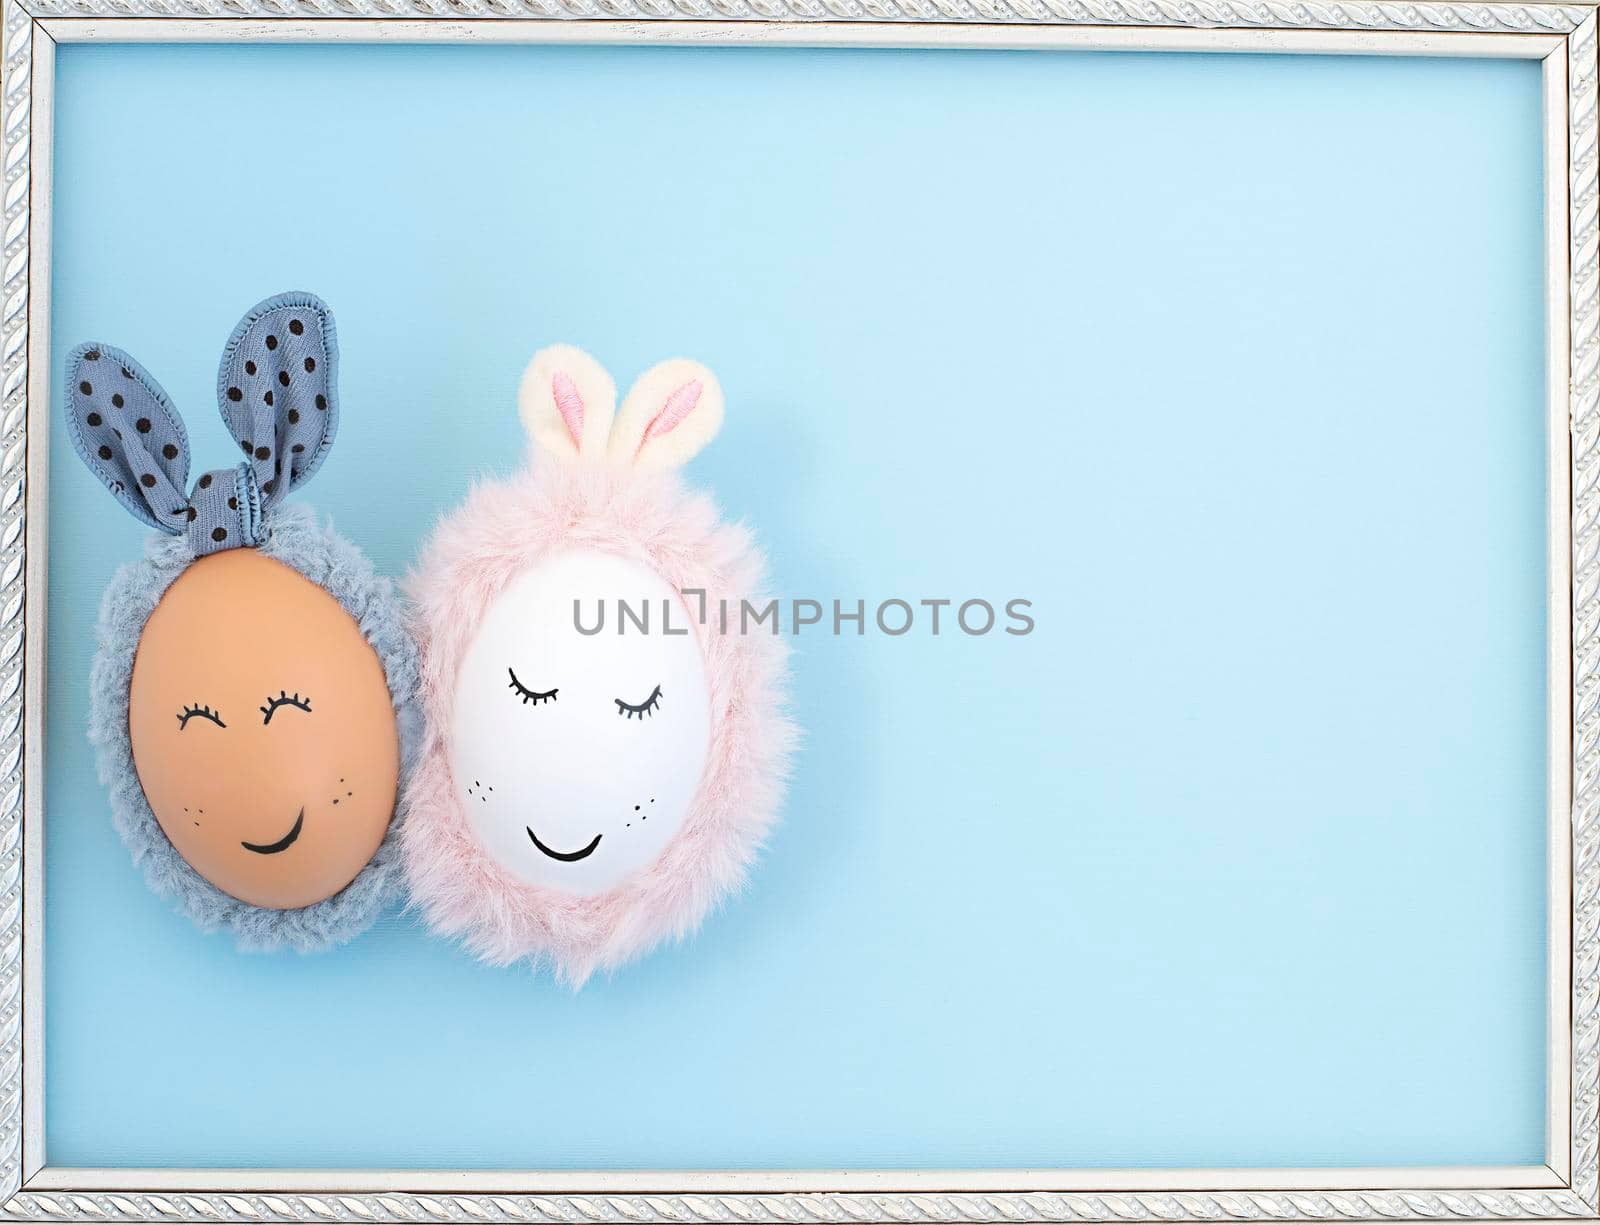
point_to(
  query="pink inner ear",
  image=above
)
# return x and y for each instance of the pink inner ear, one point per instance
(679, 405)
(569, 404)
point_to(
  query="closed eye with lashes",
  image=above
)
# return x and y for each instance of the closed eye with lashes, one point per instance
(528, 695)
(197, 711)
(283, 699)
(648, 706)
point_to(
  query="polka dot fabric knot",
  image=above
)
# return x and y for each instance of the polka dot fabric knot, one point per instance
(277, 392)
(225, 511)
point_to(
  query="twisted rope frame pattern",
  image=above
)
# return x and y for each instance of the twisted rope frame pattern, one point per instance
(1535, 18)
(1579, 1201)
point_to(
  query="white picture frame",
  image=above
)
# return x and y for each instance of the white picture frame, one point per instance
(1562, 37)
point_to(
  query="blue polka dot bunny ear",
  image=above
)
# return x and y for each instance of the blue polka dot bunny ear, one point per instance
(277, 389)
(126, 430)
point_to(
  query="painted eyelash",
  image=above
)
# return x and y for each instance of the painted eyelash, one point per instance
(528, 695)
(197, 711)
(649, 705)
(284, 699)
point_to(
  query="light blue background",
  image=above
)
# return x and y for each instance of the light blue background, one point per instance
(1232, 365)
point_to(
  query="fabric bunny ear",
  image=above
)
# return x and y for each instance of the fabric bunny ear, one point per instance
(122, 424)
(277, 388)
(567, 401)
(670, 414)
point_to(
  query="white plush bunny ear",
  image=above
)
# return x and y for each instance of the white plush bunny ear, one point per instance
(669, 415)
(567, 402)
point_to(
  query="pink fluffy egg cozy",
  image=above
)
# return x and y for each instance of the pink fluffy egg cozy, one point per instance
(605, 749)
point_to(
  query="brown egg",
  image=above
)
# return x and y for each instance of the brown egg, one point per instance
(263, 731)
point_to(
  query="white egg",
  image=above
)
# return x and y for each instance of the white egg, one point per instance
(578, 755)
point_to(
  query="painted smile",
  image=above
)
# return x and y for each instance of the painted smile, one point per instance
(564, 857)
(285, 842)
